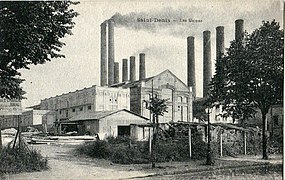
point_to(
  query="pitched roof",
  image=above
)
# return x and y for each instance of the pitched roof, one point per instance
(97, 115)
(137, 82)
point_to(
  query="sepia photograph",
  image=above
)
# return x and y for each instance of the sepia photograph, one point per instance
(154, 89)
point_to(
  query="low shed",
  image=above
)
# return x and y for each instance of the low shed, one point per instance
(105, 123)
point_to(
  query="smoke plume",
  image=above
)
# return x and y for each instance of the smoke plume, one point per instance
(183, 22)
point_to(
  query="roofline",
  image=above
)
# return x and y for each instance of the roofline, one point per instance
(111, 113)
(123, 110)
(172, 75)
(64, 94)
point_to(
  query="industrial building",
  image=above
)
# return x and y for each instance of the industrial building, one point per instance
(165, 86)
(41, 119)
(83, 110)
(92, 99)
(95, 98)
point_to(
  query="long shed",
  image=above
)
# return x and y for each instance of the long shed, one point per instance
(105, 123)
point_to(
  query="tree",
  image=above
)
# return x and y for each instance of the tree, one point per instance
(157, 107)
(199, 109)
(30, 33)
(251, 74)
(229, 70)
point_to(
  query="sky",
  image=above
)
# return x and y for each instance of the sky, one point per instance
(164, 43)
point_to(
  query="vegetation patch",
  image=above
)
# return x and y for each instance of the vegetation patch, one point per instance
(123, 150)
(15, 160)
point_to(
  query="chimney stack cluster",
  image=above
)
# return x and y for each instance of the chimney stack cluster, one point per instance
(207, 61)
(110, 70)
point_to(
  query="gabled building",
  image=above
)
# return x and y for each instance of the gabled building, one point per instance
(165, 86)
(106, 123)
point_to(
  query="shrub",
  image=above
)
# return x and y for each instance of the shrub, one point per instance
(97, 149)
(124, 154)
(21, 160)
(118, 140)
(275, 145)
(125, 151)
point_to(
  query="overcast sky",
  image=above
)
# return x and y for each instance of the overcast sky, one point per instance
(163, 43)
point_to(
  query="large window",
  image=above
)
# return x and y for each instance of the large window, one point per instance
(124, 130)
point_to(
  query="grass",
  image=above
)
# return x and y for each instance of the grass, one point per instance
(15, 160)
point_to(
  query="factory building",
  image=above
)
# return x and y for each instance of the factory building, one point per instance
(164, 86)
(95, 98)
(41, 119)
(132, 94)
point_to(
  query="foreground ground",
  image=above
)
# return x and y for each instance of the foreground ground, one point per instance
(64, 164)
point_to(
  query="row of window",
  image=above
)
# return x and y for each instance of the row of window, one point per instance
(180, 99)
(89, 107)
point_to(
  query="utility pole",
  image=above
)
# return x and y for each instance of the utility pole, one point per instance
(210, 160)
(153, 129)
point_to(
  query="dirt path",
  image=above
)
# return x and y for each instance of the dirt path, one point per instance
(64, 165)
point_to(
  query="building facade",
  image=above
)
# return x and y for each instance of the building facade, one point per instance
(28, 118)
(105, 123)
(165, 86)
(95, 98)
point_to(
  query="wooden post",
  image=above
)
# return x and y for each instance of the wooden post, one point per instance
(244, 142)
(150, 141)
(19, 130)
(221, 143)
(59, 128)
(190, 143)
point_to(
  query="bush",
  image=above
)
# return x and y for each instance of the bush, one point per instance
(118, 140)
(125, 151)
(97, 149)
(118, 150)
(275, 144)
(124, 154)
(21, 160)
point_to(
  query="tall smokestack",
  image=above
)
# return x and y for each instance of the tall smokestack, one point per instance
(239, 30)
(116, 73)
(125, 70)
(103, 78)
(132, 68)
(206, 61)
(142, 66)
(220, 42)
(111, 52)
(191, 64)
